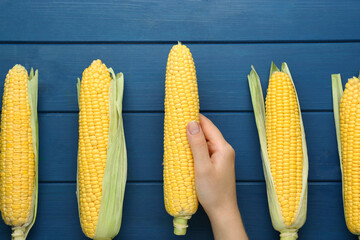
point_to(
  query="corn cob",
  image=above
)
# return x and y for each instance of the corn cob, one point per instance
(347, 112)
(19, 151)
(283, 149)
(102, 161)
(181, 107)
(283, 137)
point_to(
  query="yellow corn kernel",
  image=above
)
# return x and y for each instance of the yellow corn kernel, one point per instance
(17, 166)
(350, 149)
(93, 141)
(181, 107)
(284, 144)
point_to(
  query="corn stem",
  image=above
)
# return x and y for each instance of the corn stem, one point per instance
(18, 233)
(289, 235)
(180, 225)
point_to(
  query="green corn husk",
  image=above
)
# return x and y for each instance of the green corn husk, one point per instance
(286, 232)
(20, 233)
(114, 181)
(337, 91)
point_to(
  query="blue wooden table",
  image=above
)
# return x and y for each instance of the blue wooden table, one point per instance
(61, 38)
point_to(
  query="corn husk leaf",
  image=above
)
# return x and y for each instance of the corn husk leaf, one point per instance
(33, 100)
(114, 180)
(273, 69)
(78, 86)
(287, 232)
(337, 91)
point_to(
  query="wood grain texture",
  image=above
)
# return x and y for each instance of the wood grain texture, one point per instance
(144, 139)
(191, 20)
(144, 215)
(221, 69)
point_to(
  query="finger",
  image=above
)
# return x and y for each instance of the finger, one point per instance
(211, 132)
(198, 145)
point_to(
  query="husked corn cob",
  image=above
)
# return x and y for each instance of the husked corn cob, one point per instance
(284, 143)
(102, 166)
(93, 140)
(350, 149)
(18, 158)
(181, 107)
(283, 149)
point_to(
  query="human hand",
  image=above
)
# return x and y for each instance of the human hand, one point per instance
(214, 163)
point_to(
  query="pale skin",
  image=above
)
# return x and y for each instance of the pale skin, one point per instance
(214, 163)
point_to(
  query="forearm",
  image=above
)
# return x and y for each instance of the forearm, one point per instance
(228, 225)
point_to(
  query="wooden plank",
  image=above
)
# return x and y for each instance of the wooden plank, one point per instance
(215, 20)
(145, 217)
(221, 68)
(59, 134)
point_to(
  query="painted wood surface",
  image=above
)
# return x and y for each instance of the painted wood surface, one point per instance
(190, 20)
(221, 69)
(145, 217)
(143, 132)
(226, 37)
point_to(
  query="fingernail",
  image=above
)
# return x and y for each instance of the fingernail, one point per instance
(193, 127)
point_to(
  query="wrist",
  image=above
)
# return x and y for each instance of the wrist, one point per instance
(224, 213)
(227, 224)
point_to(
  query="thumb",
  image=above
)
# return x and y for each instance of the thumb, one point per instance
(198, 144)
